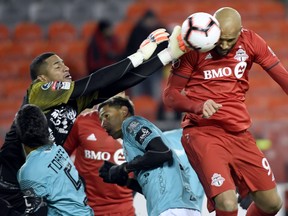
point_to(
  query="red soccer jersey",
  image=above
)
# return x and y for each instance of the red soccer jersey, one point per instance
(223, 79)
(93, 145)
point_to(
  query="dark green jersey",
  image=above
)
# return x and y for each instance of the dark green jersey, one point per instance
(54, 100)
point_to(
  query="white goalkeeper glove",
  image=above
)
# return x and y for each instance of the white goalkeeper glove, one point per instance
(148, 46)
(175, 49)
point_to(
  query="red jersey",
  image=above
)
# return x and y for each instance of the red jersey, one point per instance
(223, 79)
(93, 145)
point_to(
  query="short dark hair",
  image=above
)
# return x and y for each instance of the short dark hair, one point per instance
(37, 63)
(32, 126)
(118, 102)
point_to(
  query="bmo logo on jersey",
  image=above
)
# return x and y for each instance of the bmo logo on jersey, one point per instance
(238, 71)
(118, 155)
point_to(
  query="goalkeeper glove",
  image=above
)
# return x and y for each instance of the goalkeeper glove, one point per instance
(175, 49)
(148, 46)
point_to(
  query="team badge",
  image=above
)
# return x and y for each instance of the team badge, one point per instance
(241, 55)
(217, 180)
(132, 126)
(46, 86)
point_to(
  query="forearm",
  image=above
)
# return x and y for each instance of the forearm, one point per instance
(156, 154)
(131, 79)
(280, 75)
(102, 78)
(172, 98)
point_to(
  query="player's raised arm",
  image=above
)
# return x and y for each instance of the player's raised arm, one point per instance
(175, 49)
(112, 73)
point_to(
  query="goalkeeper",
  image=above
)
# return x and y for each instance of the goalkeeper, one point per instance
(62, 99)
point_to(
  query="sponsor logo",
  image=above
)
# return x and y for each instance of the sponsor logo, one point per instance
(142, 134)
(209, 56)
(118, 155)
(61, 85)
(92, 137)
(62, 118)
(217, 180)
(226, 71)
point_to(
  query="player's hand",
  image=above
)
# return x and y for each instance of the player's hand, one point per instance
(118, 174)
(112, 173)
(148, 46)
(158, 36)
(104, 171)
(176, 44)
(209, 108)
(175, 49)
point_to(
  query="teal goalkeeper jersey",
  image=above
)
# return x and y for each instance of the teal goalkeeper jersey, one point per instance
(49, 173)
(174, 138)
(165, 187)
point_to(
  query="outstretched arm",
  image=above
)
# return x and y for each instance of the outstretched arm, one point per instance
(111, 74)
(175, 49)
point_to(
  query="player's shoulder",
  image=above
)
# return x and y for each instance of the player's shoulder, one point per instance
(38, 85)
(134, 123)
(248, 34)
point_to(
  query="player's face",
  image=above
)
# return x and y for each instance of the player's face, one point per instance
(226, 42)
(111, 120)
(57, 70)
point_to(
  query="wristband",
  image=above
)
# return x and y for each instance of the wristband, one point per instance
(136, 59)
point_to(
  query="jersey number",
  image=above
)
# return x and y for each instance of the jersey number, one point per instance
(77, 184)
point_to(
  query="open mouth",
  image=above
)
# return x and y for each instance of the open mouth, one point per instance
(68, 76)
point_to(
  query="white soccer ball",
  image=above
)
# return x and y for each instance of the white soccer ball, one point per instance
(201, 31)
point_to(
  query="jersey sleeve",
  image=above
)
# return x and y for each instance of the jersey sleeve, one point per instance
(139, 131)
(264, 55)
(35, 205)
(84, 101)
(51, 94)
(46, 95)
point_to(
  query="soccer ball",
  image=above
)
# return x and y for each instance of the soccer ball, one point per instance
(201, 31)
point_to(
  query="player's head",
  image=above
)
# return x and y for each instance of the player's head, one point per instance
(112, 114)
(230, 25)
(49, 67)
(32, 126)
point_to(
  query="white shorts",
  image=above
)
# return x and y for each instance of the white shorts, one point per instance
(180, 212)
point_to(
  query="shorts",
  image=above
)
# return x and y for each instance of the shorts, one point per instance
(181, 212)
(224, 160)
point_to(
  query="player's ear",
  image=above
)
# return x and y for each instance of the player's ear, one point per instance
(124, 111)
(42, 78)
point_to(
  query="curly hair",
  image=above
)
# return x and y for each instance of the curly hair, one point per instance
(32, 126)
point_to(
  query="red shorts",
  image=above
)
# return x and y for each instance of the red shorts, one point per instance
(223, 160)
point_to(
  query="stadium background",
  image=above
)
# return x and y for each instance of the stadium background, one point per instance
(29, 27)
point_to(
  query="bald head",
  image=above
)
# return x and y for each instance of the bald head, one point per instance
(230, 25)
(229, 20)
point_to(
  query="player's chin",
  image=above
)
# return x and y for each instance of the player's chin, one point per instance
(221, 51)
(68, 79)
